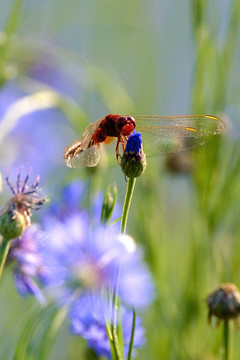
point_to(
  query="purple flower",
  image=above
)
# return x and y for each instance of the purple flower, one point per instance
(69, 201)
(71, 198)
(81, 261)
(87, 320)
(26, 251)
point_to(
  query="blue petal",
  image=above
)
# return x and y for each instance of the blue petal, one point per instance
(134, 142)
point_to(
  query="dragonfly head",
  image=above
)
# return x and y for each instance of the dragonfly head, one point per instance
(125, 125)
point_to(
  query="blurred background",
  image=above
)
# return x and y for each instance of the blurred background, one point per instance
(64, 64)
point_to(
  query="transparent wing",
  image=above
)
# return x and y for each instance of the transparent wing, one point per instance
(78, 154)
(163, 134)
(88, 133)
(86, 158)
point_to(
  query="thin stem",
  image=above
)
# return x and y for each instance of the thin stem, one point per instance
(226, 339)
(115, 305)
(110, 339)
(115, 302)
(3, 254)
(127, 203)
(118, 351)
(132, 336)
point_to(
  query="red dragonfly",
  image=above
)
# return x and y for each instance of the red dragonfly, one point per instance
(160, 134)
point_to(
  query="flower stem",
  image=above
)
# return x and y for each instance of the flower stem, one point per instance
(127, 203)
(132, 336)
(116, 301)
(117, 345)
(116, 342)
(226, 339)
(3, 253)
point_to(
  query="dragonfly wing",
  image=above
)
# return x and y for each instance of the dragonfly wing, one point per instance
(88, 133)
(176, 133)
(85, 158)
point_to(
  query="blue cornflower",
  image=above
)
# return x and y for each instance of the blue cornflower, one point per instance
(88, 320)
(133, 160)
(26, 251)
(70, 200)
(134, 143)
(80, 261)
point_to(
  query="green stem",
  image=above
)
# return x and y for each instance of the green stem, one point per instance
(226, 339)
(132, 336)
(115, 302)
(127, 203)
(3, 254)
(118, 351)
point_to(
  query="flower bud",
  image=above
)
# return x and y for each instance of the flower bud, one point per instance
(109, 202)
(133, 161)
(12, 224)
(224, 302)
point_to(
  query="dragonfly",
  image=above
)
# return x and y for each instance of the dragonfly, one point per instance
(160, 135)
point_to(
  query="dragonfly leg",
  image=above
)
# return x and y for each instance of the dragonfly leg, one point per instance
(122, 140)
(117, 150)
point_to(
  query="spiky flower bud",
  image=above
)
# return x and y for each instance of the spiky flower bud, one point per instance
(133, 161)
(224, 302)
(12, 224)
(25, 198)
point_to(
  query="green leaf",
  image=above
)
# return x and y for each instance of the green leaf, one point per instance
(6, 38)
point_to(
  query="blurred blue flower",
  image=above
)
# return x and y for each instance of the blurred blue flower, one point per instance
(70, 199)
(37, 138)
(87, 320)
(26, 252)
(79, 261)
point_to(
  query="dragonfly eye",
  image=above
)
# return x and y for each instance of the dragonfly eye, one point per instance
(125, 125)
(121, 121)
(130, 118)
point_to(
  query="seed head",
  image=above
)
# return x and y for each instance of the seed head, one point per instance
(224, 303)
(15, 216)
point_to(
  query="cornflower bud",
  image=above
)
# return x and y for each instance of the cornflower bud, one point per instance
(109, 202)
(15, 216)
(12, 224)
(224, 303)
(133, 160)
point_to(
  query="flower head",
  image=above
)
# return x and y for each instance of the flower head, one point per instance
(26, 251)
(87, 320)
(224, 302)
(80, 261)
(16, 215)
(133, 161)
